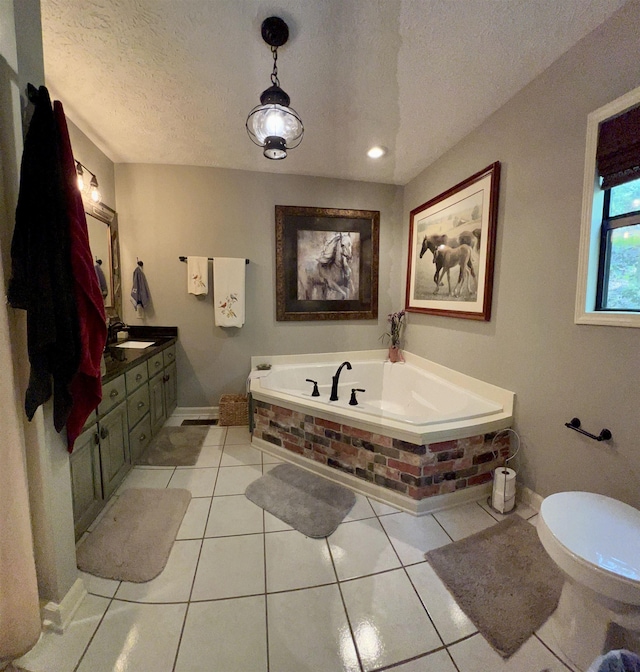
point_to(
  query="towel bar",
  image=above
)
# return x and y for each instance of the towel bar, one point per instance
(246, 261)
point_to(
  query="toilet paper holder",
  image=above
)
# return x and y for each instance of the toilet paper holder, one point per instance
(502, 499)
(605, 434)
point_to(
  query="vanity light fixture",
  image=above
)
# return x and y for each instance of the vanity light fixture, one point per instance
(94, 189)
(274, 125)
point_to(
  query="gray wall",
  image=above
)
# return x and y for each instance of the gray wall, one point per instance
(167, 211)
(557, 369)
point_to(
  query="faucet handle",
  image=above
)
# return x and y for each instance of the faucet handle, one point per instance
(315, 392)
(353, 401)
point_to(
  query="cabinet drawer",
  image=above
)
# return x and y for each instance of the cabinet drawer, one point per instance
(138, 405)
(169, 355)
(112, 393)
(155, 364)
(136, 377)
(139, 438)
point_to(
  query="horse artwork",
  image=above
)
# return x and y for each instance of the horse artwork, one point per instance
(330, 272)
(447, 258)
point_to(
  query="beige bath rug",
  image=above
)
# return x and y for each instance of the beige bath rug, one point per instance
(175, 447)
(133, 540)
(311, 504)
(503, 580)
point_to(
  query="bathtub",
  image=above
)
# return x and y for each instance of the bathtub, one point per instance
(422, 437)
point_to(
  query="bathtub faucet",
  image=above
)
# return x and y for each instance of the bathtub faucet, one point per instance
(334, 385)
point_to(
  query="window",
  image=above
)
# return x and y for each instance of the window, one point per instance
(609, 261)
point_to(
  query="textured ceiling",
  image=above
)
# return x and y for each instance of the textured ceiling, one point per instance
(172, 81)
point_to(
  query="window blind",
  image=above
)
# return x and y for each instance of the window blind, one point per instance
(618, 153)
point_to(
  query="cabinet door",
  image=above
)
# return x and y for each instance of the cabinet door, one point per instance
(114, 448)
(156, 403)
(86, 486)
(170, 389)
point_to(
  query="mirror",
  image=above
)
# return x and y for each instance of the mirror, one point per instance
(102, 227)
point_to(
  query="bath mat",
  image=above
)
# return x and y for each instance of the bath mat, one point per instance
(311, 504)
(174, 447)
(503, 580)
(194, 423)
(133, 540)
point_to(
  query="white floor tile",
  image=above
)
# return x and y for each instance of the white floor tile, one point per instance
(139, 477)
(413, 536)
(545, 634)
(225, 635)
(96, 585)
(383, 509)
(361, 548)
(461, 521)
(195, 519)
(475, 655)
(533, 520)
(140, 637)
(230, 567)
(199, 482)
(388, 620)
(174, 421)
(295, 561)
(268, 466)
(433, 662)
(240, 455)
(234, 480)
(451, 622)
(234, 514)
(361, 509)
(308, 631)
(209, 457)
(271, 459)
(173, 584)
(238, 435)
(61, 653)
(215, 436)
(522, 510)
(273, 524)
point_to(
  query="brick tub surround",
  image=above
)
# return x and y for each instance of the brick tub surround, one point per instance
(415, 471)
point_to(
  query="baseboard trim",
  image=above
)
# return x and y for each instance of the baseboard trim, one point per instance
(529, 497)
(377, 492)
(57, 616)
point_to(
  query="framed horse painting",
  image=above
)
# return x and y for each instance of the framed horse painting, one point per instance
(451, 249)
(326, 263)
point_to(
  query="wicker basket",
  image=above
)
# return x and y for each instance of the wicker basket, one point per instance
(234, 410)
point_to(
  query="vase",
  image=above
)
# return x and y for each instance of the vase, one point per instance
(395, 354)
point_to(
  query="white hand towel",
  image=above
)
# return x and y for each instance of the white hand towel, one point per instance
(228, 291)
(198, 275)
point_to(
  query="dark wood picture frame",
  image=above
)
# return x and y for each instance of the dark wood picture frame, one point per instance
(455, 232)
(326, 263)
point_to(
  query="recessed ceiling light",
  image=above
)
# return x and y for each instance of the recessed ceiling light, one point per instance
(376, 152)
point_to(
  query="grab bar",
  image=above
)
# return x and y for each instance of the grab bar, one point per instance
(605, 434)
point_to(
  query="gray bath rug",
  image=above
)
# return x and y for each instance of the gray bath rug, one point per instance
(133, 540)
(503, 580)
(311, 504)
(174, 447)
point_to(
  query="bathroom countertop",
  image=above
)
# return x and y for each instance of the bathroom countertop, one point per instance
(120, 360)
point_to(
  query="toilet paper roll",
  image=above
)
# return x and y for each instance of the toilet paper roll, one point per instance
(503, 497)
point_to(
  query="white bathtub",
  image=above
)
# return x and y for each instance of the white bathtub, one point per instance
(418, 401)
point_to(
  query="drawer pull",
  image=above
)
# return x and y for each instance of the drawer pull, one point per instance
(142, 437)
(141, 404)
(114, 394)
(139, 377)
(170, 355)
(166, 379)
(96, 438)
(158, 364)
(104, 433)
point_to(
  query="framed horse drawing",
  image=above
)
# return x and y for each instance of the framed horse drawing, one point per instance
(452, 248)
(326, 263)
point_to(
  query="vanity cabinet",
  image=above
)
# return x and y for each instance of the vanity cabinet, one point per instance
(134, 407)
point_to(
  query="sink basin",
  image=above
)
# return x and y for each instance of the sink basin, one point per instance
(135, 344)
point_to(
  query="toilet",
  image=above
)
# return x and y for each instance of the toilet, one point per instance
(595, 541)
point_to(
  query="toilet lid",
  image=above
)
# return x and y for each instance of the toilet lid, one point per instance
(602, 530)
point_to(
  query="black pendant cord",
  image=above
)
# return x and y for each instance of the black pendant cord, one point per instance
(605, 434)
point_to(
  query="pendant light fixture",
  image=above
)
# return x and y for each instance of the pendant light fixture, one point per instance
(274, 125)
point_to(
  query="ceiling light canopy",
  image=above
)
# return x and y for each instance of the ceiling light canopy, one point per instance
(274, 125)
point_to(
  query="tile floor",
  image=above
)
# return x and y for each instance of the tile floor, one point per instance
(244, 592)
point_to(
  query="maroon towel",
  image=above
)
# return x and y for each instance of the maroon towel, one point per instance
(86, 385)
